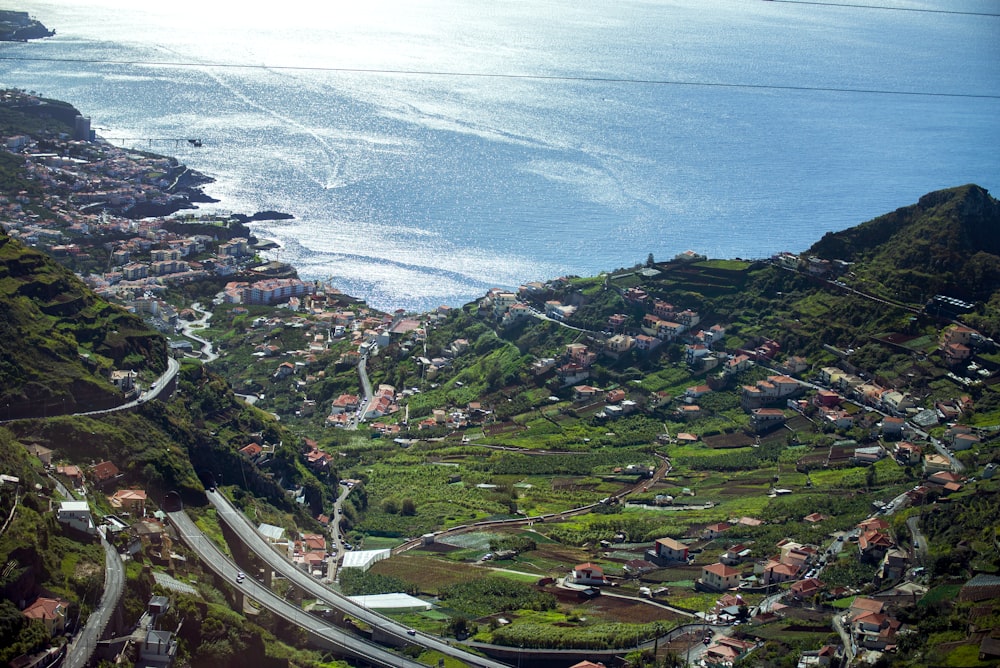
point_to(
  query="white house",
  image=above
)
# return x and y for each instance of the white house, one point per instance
(76, 514)
(589, 573)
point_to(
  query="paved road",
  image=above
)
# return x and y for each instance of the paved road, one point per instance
(366, 392)
(248, 534)
(207, 354)
(173, 366)
(85, 642)
(336, 540)
(348, 644)
(845, 637)
(919, 540)
(956, 465)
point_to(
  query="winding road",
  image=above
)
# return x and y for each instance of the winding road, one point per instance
(207, 353)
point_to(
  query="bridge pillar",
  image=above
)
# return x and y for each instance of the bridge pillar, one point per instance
(239, 601)
(385, 638)
(268, 577)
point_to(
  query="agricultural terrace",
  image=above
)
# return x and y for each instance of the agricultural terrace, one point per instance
(723, 476)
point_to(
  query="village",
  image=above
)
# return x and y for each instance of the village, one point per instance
(302, 352)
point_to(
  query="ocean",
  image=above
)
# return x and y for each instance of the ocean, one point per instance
(431, 150)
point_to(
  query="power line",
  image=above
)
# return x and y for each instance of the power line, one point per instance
(529, 77)
(897, 9)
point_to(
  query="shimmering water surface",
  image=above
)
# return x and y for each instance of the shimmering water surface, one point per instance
(431, 150)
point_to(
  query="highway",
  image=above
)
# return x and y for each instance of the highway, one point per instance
(248, 534)
(346, 643)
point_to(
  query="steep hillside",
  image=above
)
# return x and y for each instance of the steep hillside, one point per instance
(61, 341)
(949, 242)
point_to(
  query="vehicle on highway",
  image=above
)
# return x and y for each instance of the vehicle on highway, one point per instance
(240, 577)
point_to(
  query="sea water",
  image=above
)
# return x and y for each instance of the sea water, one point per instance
(431, 150)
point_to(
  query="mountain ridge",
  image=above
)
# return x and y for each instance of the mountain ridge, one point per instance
(948, 241)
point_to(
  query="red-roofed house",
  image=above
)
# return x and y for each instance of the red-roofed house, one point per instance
(615, 396)
(865, 604)
(819, 657)
(719, 577)
(251, 451)
(72, 472)
(827, 399)
(130, 500)
(345, 403)
(726, 651)
(713, 531)
(945, 478)
(873, 523)
(873, 544)
(874, 630)
(776, 571)
(50, 611)
(585, 393)
(313, 542)
(697, 391)
(735, 554)
(105, 471)
(589, 573)
(805, 589)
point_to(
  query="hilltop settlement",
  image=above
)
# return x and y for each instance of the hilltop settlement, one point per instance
(207, 460)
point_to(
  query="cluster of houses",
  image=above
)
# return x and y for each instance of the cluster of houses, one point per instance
(868, 393)
(868, 622)
(75, 174)
(347, 406)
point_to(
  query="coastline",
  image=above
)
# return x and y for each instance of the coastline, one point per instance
(18, 26)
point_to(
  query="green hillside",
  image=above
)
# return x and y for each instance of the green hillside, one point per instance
(948, 242)
(61, 341)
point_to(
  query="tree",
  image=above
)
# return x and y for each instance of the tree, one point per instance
(649, 260)
(409, 509)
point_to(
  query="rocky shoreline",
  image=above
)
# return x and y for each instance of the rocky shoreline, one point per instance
(20, 27)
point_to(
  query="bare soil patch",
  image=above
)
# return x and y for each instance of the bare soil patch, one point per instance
(613, 609)
(737, 440)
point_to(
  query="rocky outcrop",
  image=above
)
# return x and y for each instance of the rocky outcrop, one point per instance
(20, 27)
